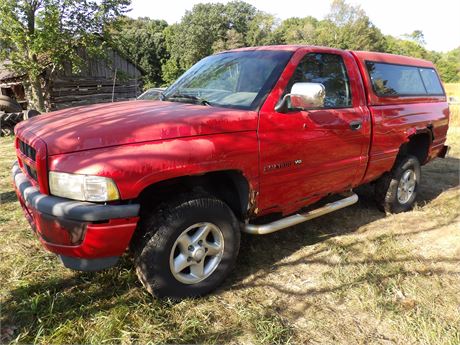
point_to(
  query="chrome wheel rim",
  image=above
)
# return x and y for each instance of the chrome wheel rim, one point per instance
(406, 187)
(196, 253)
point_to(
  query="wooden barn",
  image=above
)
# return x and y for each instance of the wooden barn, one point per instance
(11, 84)
(112, 78)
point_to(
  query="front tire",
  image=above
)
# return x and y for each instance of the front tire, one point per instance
(186, 247)
(397, 190)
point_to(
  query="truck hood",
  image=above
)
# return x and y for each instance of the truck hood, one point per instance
(103, 125)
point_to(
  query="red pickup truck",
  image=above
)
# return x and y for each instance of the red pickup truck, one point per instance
(245, 140)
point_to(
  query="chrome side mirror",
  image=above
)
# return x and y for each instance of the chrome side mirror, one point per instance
(304, 96)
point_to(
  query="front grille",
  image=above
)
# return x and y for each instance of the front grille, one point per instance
(27, 150)
(31, 172)
(29, 168)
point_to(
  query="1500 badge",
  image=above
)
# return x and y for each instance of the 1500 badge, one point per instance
(282, 165)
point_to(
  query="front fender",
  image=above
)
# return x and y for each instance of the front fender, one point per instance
(136, 166)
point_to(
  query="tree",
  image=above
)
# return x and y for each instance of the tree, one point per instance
(206, 29)
(239, 15)
(193, 38)
(143, 41)
(345, 27)
(261, 29)
(448, 66)
(232, 40)
(406, 47)
(297, 31)
(417, 36)
(348, 27)
(43, 34)
(342, 13)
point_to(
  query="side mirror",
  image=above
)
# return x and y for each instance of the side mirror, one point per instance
(304, 96)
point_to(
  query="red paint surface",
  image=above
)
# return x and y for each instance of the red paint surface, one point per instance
(141, 143)
(103, 125)
(137, 166)
(333, 156)
(100, 240)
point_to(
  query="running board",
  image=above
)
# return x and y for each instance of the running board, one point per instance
(300, 217)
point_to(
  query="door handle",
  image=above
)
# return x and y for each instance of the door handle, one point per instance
(356, 125)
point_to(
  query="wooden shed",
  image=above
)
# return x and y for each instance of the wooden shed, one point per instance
(107, 79)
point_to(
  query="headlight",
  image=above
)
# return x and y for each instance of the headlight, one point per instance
(82, 187)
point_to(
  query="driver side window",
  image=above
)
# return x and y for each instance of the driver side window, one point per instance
(329, 70)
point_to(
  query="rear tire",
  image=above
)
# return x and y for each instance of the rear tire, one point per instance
(396, 191)
(28, 114)
(171, 258)
(9, 105)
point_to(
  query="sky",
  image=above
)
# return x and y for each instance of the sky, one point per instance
(439, 20)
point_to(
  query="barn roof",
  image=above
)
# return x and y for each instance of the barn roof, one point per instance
(6, 73)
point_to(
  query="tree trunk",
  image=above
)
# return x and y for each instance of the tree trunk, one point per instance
(38, 99)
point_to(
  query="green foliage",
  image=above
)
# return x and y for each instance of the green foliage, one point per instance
(416, 36)
(448, 66)
(193, 38)
(209, 28)
(297, 31)
(348, 27)
(206, 29)
(261, 30)
(164, 52)
(143, 41)
(35, 34)
(406, 47)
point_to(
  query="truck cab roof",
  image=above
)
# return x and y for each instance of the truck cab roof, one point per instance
(361, 55)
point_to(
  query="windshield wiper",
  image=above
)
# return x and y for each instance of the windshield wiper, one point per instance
(196, 99)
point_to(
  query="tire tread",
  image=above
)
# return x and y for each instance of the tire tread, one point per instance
(386, 186)
(154, 232)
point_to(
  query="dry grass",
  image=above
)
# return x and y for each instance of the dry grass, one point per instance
(454, 114)
(352, 277)
(452, 89)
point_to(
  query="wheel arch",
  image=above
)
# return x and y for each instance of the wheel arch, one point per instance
(231, 186)
(418, 144)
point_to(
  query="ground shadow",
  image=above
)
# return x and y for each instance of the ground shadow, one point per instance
(437, 177)
(83, 295)
(7, 197)
(55, 303)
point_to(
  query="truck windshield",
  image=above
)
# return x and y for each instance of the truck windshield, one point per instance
(235, 79)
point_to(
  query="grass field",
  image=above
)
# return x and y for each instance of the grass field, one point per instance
(352, 277)
(453, 89)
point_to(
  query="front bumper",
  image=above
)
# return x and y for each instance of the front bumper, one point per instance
(86, 236)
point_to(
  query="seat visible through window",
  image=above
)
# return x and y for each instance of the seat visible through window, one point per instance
(329, 70)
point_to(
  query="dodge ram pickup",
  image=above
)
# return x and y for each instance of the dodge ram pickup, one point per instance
(253, 140)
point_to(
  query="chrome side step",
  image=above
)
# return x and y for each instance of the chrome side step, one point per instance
(300, 217)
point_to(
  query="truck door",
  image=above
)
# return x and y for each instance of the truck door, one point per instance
(305, 154)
